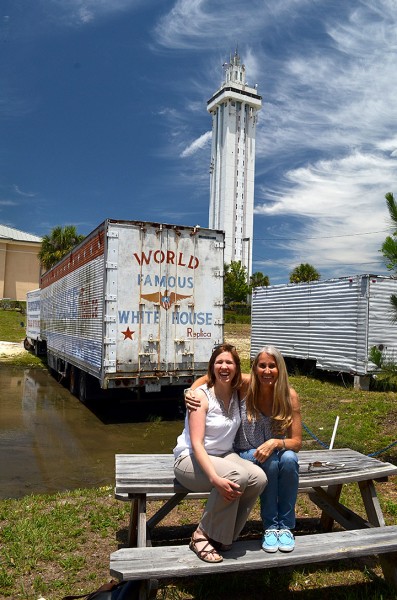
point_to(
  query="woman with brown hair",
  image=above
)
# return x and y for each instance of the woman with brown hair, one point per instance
(205, 460)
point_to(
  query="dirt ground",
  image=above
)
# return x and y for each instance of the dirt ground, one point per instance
(11, 349)
(240, 336)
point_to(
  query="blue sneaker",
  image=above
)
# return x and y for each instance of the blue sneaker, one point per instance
(286, 540)
(270, 540)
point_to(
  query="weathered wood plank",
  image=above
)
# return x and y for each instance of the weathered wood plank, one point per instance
(179, 561)
(153, 473)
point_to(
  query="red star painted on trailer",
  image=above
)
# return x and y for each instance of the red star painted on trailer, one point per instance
(128, 333)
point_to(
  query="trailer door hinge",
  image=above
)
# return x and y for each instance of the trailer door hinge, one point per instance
(110, 319)
(111, 265)
(109, 341)
(113, 233)
(110, 297)
(109, 363)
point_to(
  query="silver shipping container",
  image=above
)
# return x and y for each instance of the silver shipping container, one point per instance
(334, 322)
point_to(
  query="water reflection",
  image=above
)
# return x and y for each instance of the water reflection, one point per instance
(49, 441)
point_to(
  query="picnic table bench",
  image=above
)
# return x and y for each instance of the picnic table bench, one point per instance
(322, 474)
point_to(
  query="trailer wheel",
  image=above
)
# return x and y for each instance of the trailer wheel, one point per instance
(83, 387)
(73, 380)
(88, 387)
(27, 345)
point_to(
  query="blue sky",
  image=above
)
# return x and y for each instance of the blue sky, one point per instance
(103, 115)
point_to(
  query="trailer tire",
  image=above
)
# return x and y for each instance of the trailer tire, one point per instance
(83, 387)
(73, 380)
(27, 345)
(88, 387)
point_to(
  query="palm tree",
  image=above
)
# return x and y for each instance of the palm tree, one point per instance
(304, 273)
(258, 279)
(58, 243)
(389, 247)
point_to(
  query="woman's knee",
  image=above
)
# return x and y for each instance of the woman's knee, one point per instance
(289, 457)
(289, 461)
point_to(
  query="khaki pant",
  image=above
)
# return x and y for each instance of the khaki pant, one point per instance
(223, 520)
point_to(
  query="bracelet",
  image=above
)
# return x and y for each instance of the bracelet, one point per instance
(284, 445)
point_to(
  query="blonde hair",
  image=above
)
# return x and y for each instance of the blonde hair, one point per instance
(282, 407)
(236, 381)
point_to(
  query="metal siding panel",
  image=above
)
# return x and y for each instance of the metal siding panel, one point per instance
(382, 329)
(325, 321)
(72, 315)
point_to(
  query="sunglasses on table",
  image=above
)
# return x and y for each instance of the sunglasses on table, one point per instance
(318, 464)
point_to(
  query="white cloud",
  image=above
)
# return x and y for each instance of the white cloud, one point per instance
(82, 12)
(194, 24)
(198, 144)
(341, 210)
(18, 190)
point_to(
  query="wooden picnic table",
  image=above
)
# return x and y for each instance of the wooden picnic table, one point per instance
(322, 474)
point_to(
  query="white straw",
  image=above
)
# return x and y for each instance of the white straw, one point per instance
(334, 433)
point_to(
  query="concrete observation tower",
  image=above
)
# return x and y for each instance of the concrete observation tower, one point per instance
(234, 108)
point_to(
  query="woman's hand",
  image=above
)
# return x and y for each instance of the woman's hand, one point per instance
(229, 490)
(191, 400)
(263, 451)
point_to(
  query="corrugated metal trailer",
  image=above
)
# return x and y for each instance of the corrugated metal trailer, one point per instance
(134, 305)
(334, 322)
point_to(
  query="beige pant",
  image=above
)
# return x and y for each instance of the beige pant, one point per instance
(223, 520)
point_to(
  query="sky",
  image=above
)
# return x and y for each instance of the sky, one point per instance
(103, 115)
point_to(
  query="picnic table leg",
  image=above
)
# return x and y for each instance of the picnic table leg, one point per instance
(138, 538)
(375, 517)
(326, 522)
(137, 534)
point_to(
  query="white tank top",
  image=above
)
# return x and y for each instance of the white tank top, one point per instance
(220, 426)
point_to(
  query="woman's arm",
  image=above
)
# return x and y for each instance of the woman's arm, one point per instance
(228, 489)
(293, 440)
(294, 434)
(192, 401)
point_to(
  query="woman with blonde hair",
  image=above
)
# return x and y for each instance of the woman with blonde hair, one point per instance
(270, 435)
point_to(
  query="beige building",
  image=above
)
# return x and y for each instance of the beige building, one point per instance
(19, 263)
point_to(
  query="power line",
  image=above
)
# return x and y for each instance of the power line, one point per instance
(322, 237)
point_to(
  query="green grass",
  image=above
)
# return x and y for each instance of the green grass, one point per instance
(11, 329)
(56, 545)
(60, 544)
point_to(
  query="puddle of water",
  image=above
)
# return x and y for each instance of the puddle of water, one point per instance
(51, 442)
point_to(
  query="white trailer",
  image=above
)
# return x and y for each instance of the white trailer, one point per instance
(135, 305)
(33, 339)
(334, 322)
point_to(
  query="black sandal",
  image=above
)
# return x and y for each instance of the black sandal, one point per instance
(203, 553)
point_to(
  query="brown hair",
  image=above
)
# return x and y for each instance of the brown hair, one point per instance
(236, 381)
